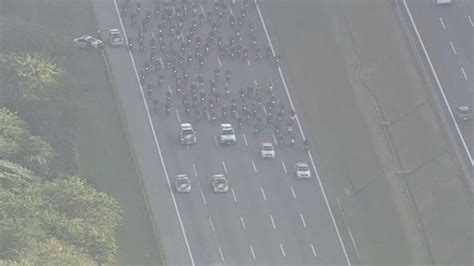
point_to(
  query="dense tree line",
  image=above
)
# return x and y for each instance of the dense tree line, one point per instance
(46, 218)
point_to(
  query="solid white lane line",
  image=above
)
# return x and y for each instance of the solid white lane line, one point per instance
(242, 222)
(157, 144)
(302, 220)
(177, 116)
(220, 253)
(252, 252)
(219, 61)
(245, 139)
(284, 166)
(263, 193)
(442, 23)
(282, 249)
(215, 140)
(463, 73)
(254, 167)
(273, 222)
(203, 198)
(194, 170)
(161, 63)
(314, 250)
(470, 21)
(354, 244)
(211, 224)
(224, 167)
(452, 47)
(233, 195)
(293, 192)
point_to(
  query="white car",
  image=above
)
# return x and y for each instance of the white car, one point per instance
(266, 150)
(443, 2)
(464, 113)
(219, 183)
(87, 41)
(116, 38)
(302, 170)
(227, 134)
(186, 134)
(182, 183)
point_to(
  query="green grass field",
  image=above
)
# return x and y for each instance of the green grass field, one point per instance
(101, 146)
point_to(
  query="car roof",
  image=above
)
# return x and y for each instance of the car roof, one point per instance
(218, 176)
(301, 164)
(114, 31)
(181, 176)
(186, 125)
(463, 108)
(226, 125)
(266, 144)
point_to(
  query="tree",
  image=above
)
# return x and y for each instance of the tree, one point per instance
(36, 76)
(69, 211)
(14, 178)
(19, 146)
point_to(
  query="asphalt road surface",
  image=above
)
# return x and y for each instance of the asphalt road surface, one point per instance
(446, 31)
(267, 217)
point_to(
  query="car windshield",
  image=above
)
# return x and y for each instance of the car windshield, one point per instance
(182, 181)
(303, 168)
(227, 131)
(187, 131)
(267, 148)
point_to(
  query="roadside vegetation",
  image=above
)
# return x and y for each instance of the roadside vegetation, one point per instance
(69, 190)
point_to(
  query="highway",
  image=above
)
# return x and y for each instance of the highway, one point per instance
(447, 32)
(267, 217)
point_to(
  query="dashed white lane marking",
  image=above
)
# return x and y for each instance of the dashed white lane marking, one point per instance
(274, 138)
(233, 195)
(169, 89)
(202, 11)
(255, 82)
(470, 21)
(442, 23)
(248, 62)
(219, 61)
(224, 167)
(273, 222)
(215, 140)
(203, 198)
(230, 10)
(245, 139)
(194, 170)
(254, 167)
(263, 193)
(220, 253)
(265, 110)
(293, 192)
(302, 220)
(242, 222)
(211, 224)
(463, 73)
(174, 10)
(284, 166)
(161, 63)
(314, 250)
(452, 47)
(282, 249)
(177, 116)
(252, 252)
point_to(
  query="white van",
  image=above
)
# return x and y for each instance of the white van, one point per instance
(443, 2)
